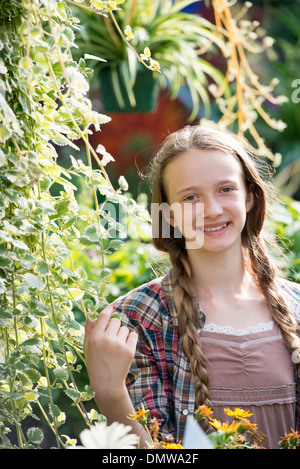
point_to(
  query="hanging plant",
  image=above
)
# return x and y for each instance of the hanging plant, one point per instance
(157, 34)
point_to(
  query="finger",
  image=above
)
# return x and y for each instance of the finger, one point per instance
(89, 326)
(123, 333)
(113, 326)
(132, 341)
(104, 318)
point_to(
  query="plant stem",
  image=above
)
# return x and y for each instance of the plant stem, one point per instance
(49, 423)
(54, 427)
(96, 203)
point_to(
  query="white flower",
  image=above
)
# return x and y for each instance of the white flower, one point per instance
(78, 83)
(106, 157)
(114, 436)
(123, 183)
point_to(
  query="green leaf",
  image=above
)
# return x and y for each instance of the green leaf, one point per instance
(5, 133)
(3, 159)
(2, 286)
(88, 394)
(91, 233)
(51, 325)
(62, 209)
(94, 57)
(19, 245)
(72, 394)
(54, 410)
(61, 373)
(32, 281)
(33, 375)
(42, 267)
(35, 435)
(31, 342)
(75, 293)
(116, 244)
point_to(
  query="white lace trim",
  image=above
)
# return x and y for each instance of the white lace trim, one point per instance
(261, 327)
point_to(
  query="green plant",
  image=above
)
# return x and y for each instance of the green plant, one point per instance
(161, 35)
(44, 105)
(282, 63)
(285, 224)
(184, 47)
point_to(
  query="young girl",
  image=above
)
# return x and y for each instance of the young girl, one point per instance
(221, 328)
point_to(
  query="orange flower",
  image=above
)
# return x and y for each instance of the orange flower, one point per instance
(290, 440)
(153, 425)
(203, 412)
(140, 416)
(245, 425)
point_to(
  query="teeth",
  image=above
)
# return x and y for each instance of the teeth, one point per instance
(216, 228)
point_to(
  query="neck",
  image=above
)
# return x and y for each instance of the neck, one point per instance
(218, 275)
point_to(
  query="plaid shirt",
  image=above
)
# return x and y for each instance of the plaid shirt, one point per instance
(160, 377)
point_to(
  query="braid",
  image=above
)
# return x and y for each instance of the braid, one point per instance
(198, 137)
(265, 272)
(188, 326)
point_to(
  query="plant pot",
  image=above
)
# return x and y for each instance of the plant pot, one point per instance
(117, 95)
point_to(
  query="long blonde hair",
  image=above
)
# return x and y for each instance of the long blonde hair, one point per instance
(253, 244)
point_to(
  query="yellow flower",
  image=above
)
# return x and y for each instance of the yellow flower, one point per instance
(111, 4)
(147, 52)
(171, 445)
(225, 427)
(237, 413)
(98, 4)
(128, 32)
(154, 65)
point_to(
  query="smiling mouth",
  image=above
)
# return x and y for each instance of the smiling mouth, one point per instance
(215, 228)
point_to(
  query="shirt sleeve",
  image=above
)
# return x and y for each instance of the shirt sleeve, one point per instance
(148, 379)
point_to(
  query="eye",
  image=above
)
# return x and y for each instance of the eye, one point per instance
(227, 189)
(190, 198)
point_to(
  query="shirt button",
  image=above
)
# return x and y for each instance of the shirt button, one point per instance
(185, 411)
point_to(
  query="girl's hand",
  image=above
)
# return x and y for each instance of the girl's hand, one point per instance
(109, 349)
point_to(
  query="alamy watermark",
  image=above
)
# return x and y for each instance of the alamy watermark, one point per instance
(178, 221)
(296, 93)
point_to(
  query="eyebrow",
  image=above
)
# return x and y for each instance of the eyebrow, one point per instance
(192, 188)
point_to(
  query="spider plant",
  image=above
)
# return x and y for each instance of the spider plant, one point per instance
(177, 40)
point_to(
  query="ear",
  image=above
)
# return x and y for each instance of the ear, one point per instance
(249, 198)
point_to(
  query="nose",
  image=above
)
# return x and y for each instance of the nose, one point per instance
(212, 208)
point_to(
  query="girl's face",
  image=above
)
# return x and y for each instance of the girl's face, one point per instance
(207, 188)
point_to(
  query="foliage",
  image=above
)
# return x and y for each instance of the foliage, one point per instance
(43, 106)
(282, 62)
(160, 34)
(187, 47)
(245, 38)
(285, 225)
(134, 262)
